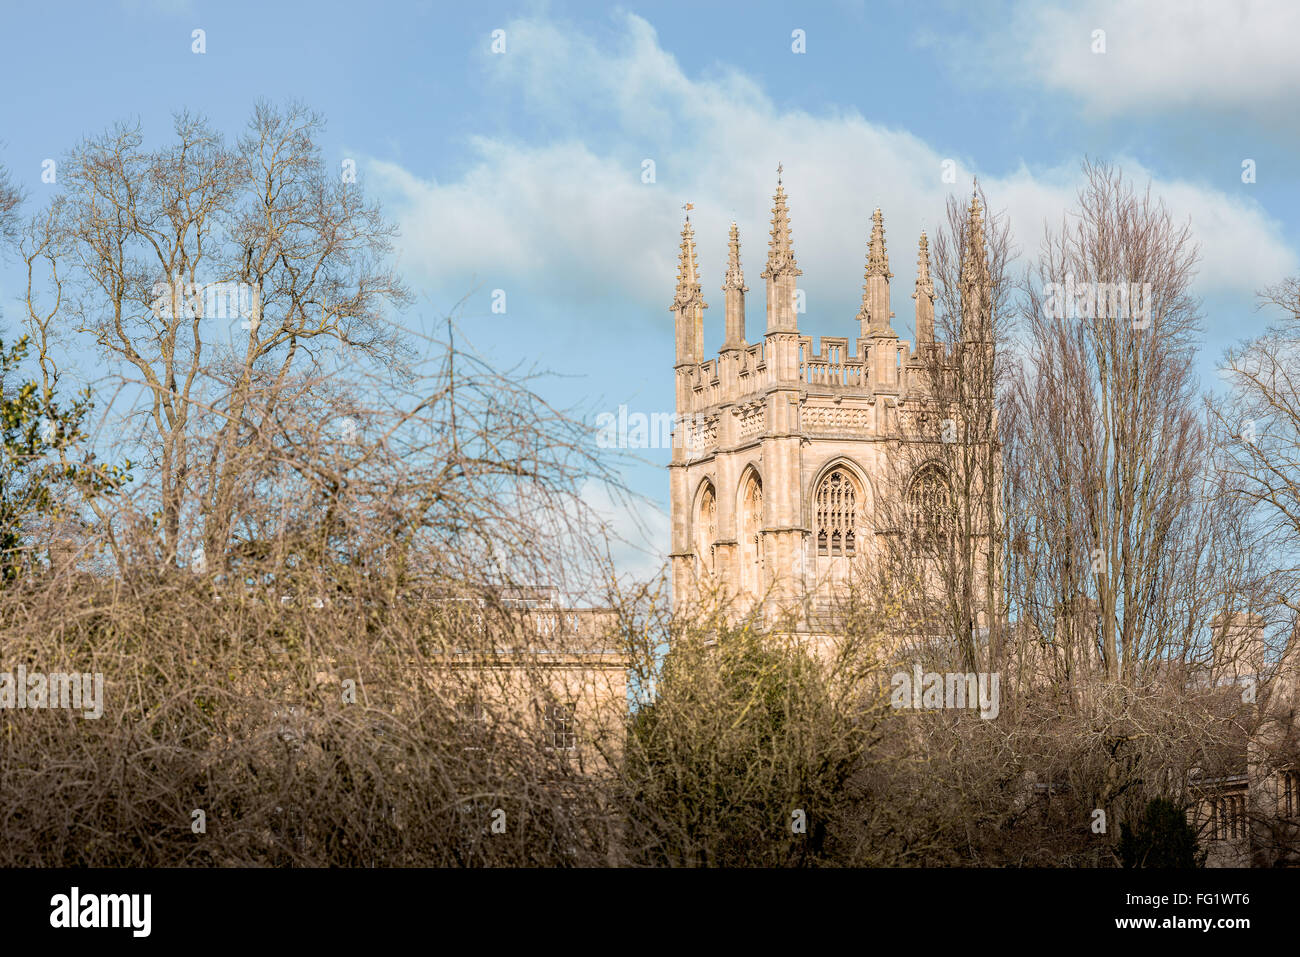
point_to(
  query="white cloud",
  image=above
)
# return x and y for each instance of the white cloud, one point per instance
(573, 215)
(555, 211)
(1163, 53)
(1242, 248)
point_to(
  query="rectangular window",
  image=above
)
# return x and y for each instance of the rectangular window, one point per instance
(1228, 817)
(558, 726)
(473, 724)
(1290, 786)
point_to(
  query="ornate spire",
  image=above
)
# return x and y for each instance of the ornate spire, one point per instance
(974, 266)
(781, 269)
(735, 278)
(923, 281)
(924, 294)
(688, 274)
(975, 281)
(780, 253)
(734, 287)
(875, 314)
(688, 304)
(877, 259)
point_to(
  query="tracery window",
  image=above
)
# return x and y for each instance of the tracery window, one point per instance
(836, 504)
(930, 512)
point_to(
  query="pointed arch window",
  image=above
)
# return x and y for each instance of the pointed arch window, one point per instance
(931, 515)
(751, 527)
(706, 528)
(836, 519)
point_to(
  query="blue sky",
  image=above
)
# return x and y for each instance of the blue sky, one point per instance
(522, 170)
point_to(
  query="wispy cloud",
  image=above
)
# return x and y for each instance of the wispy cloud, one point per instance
(569, 210)
(1159, 54)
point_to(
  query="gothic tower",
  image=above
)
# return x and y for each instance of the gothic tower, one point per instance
(781, 463)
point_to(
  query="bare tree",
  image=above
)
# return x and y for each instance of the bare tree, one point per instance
(1260, 430)
(221, 280)
(1110, 478)
(11, 198)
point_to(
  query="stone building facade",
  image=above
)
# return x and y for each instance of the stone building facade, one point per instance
(785, 465)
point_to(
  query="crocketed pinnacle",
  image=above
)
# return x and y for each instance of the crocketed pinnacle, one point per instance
(924, 284)
(877, 258)
(975, 280)
(924, 294)
(735, 278)
(780, 253)
(974, 266)
(688, 273)
(875, 313)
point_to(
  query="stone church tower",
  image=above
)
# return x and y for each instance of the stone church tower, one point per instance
(785, 459)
